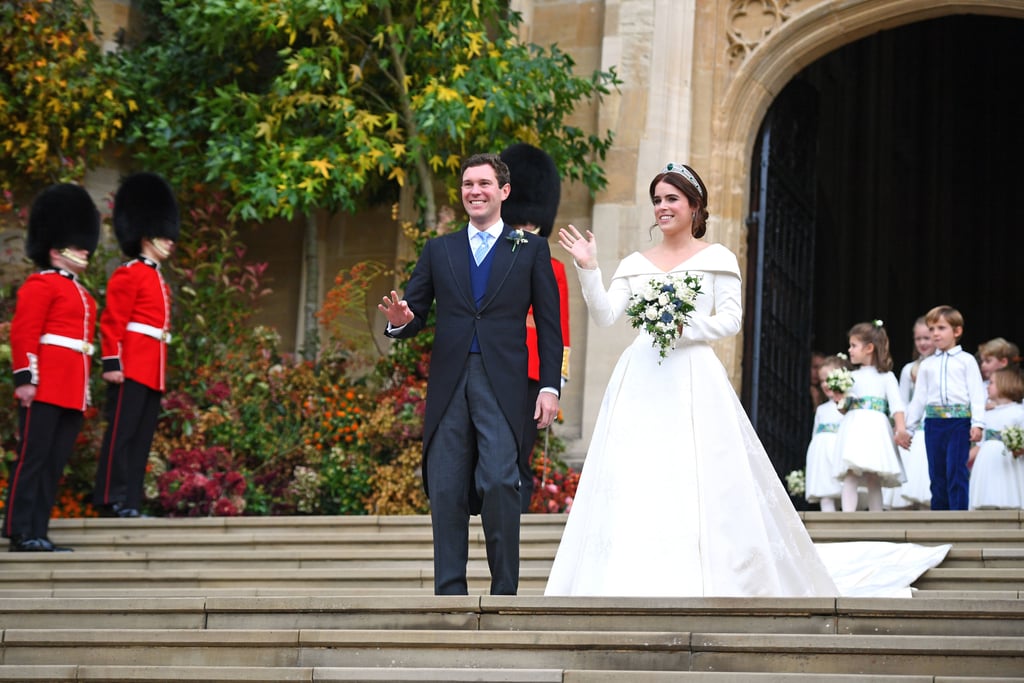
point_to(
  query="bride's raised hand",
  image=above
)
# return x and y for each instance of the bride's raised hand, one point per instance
(583, 248)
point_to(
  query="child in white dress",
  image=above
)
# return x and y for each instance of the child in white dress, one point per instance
(996, 354)
(997, 475)
(865, 449)
(916, 493)
(821, 484)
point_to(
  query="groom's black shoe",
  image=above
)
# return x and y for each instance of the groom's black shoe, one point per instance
(20, 544)
(119, 510)
(57, 548)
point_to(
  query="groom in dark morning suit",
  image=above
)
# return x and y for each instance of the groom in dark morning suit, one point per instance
(477, 390)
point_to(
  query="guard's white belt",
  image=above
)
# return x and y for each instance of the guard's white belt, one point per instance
(79, 345)
(150, 331)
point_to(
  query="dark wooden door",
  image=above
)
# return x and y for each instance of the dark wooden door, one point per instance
(780, 278)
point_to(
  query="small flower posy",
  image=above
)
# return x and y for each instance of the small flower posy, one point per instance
(516, 237)
(662, 308)
(839, 380)
(796, 483)
(1013, 440)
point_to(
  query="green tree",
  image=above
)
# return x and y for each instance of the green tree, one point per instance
(59, 103)
(298, 106)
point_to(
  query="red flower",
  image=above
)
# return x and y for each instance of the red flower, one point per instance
(218, 393)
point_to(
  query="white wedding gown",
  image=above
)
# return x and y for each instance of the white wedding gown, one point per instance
(677, 496)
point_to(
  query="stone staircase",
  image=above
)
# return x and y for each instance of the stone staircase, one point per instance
(349, 599)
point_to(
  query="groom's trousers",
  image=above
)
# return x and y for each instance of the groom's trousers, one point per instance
(474, 447)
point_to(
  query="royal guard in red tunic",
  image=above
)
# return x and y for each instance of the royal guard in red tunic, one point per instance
(134, 334)
(51, 354)
(532, 205)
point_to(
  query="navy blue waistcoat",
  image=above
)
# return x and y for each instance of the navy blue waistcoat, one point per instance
(478, 280)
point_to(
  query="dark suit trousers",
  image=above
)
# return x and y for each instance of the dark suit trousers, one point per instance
(47, 439)
(132, 410)
(474, 447)
(526, 448)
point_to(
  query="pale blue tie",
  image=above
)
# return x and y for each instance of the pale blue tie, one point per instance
(481, 249)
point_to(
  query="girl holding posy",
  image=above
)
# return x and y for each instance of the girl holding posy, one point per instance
(865, 450)
(821, 486)
(997, 472)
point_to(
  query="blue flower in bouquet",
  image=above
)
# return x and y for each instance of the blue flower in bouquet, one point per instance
(662, 308)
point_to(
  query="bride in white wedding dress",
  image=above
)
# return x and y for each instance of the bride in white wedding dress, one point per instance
(677, 496)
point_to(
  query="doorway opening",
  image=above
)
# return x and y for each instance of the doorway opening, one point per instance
(918, 146)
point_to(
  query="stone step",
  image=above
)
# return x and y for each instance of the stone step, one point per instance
(268, 580)
(852, 616)
(893, 523)
(261, 525)
(976, 529)
(252, 674)
(274, 579)
(361, 591)
(384, 559)
(983, 520)
(336, 581)
(308, 558)
(349, 598)
(957, 655)
(961, 538)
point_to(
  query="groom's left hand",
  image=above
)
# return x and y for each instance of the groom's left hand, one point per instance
(547, 409)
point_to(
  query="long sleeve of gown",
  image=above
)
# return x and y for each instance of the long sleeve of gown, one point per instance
(727, 314)
(605, 306)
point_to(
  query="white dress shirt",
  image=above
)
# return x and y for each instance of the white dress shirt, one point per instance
(494, 231)
(948, 378)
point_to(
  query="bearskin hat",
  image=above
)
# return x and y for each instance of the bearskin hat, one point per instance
(62, 215)
(536, 188)
(144, 208)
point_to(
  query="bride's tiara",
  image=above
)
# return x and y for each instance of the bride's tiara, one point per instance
(674, 167)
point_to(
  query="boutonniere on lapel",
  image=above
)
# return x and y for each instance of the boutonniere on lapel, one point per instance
(516, 237)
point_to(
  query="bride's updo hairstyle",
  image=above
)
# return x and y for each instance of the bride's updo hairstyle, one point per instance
(686, 180)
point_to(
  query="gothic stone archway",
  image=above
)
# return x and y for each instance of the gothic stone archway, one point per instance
(793, 42)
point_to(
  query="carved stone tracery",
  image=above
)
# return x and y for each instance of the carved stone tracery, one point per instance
(751, 21)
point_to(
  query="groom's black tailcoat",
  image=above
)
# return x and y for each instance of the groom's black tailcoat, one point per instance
(518, 279)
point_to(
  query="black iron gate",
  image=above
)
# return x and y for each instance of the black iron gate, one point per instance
(780, 278)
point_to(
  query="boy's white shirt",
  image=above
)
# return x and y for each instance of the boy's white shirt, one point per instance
(948, 378)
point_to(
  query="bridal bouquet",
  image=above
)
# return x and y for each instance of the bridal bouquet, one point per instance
(1013, 439)
(663, 307)
(839, 380)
